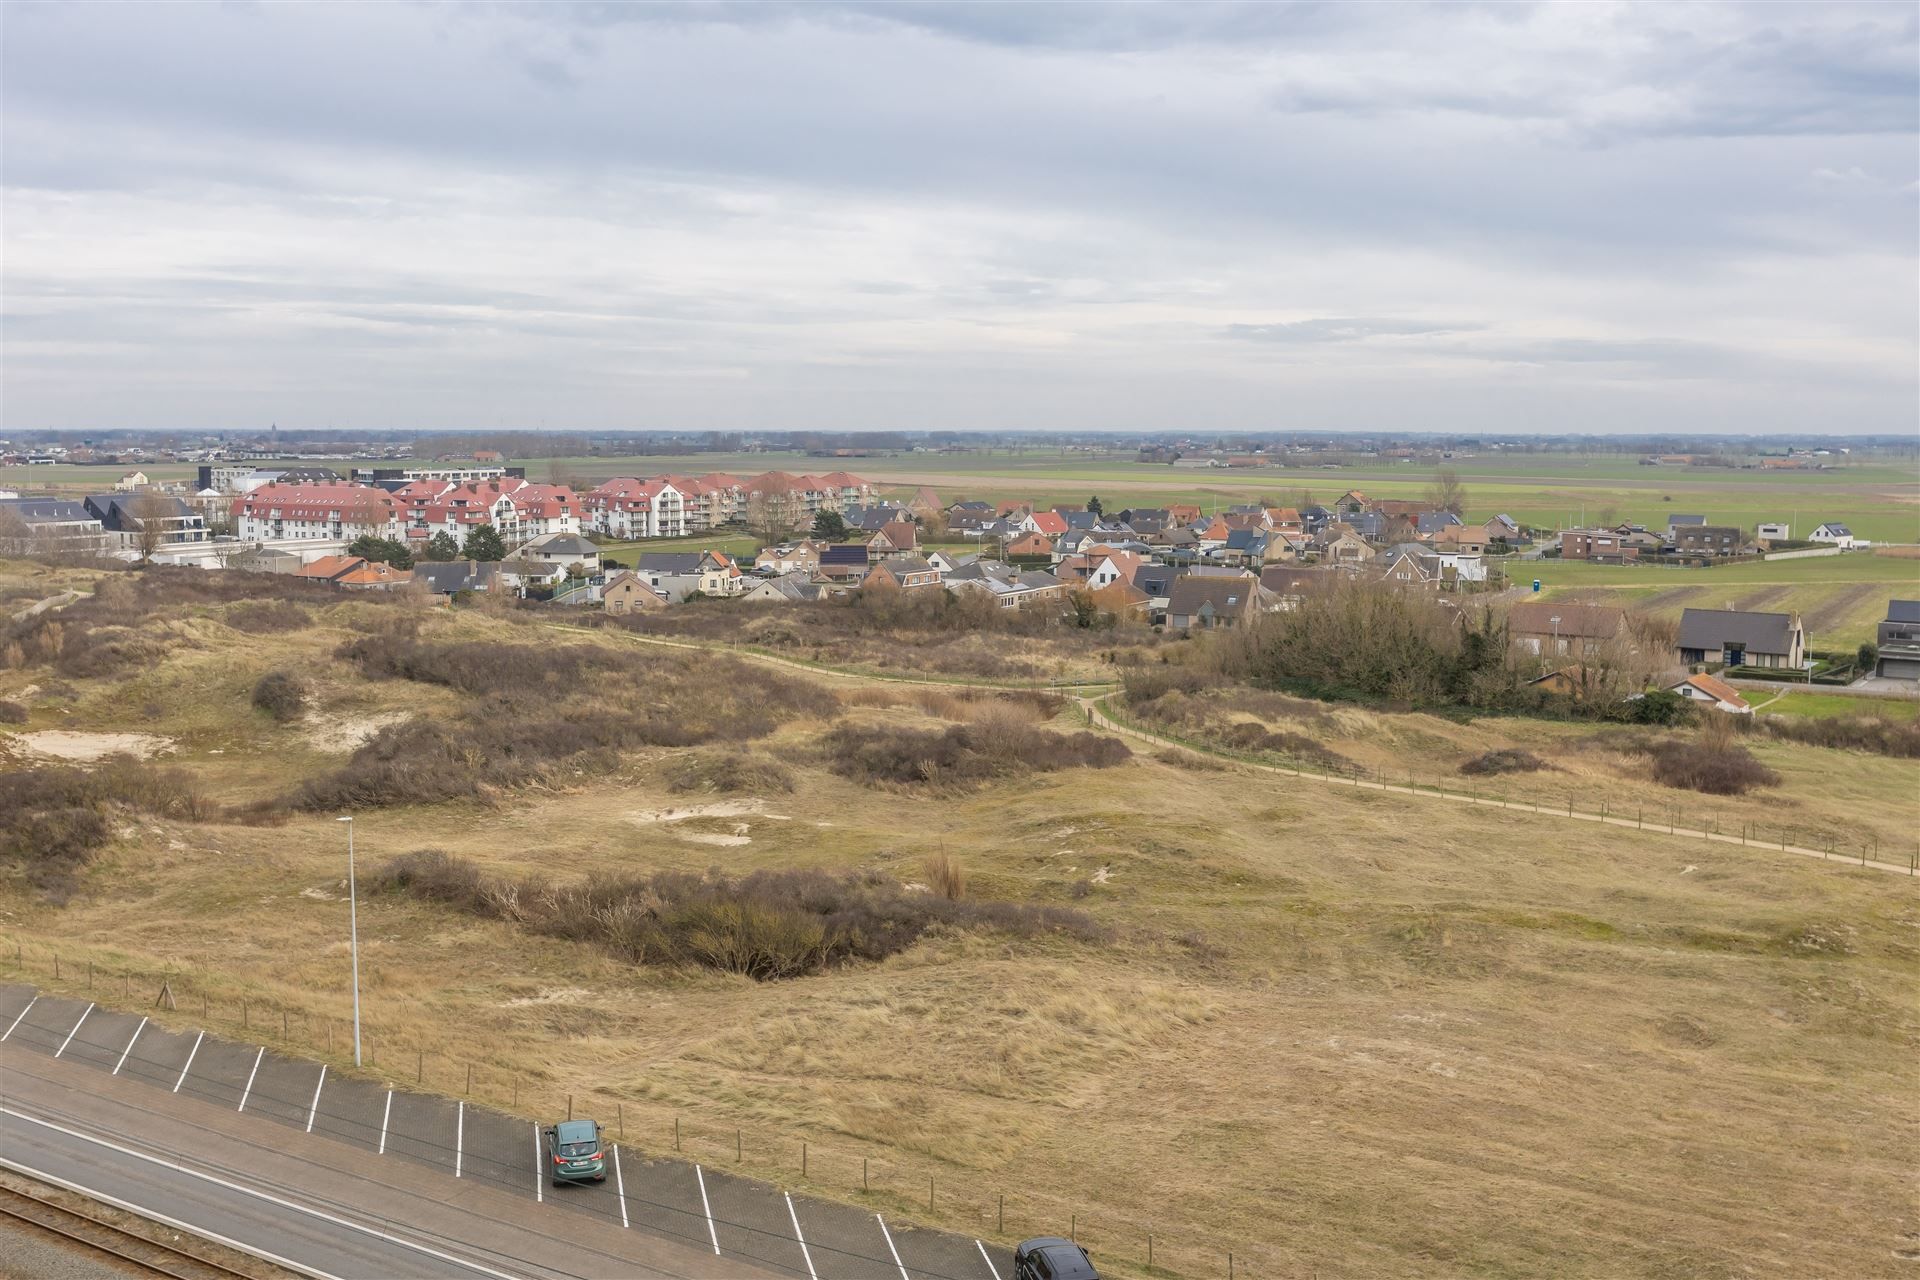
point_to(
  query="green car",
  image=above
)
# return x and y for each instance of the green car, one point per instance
(574, 1148)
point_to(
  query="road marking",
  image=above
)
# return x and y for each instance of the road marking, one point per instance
(890, 1249)
(620, 1188)
(248, 1091)
(711, 1233)
(385, 1116)
(76, 1030)
(459, 1137)
(240, 1189)
(984, 1258)
(804, 1251)
(129, 1049)
(191, 1054)
(539, 1167)
(314, 1110)
(23, 1013)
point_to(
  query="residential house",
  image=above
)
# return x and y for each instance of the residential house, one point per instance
(258, 559)
(355, 573)
(947, 561)
(1466, 539)
(895, 536)
(1428, 524)
(629, 507)
(1832, 534)
(1712, 691)
(1122, 599)
(451, 577)
(569, 549)
(1675, 520)
(626, 592)
(925, 503)
(1738, 638)
(1502, 529)
(1898, 639)
(1708, 540)
(902, 573)
(1155, 581)
(1010, 586)
(1180, 514)
(679, 574)
(339, 510)
(1565, 630)
(132, 482)
(1029, 546)
(789, 557)
(55, 525)
(1602, 546)
(1203, 602)
(1050, 523)
(125, 515)
(788, 589)
(1773, 531)
(1341, 545)
(844, 562)
(1419, 562)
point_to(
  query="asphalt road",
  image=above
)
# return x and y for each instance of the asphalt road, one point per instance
(346, 1177)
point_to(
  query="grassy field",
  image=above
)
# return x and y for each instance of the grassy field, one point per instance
(1342, 1034)
(1840, 599)
(1822, 705)
(1879, 500)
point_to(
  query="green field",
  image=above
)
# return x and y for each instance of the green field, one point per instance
(1840, 599)
(1823, 705)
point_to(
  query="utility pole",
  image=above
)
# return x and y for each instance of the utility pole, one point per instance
(353, 935)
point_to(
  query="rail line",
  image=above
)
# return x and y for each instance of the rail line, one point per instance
(98, 1234)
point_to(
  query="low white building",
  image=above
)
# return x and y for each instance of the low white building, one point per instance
(1837, 535)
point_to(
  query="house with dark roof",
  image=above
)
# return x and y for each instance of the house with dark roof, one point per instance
(55, 525)
(1202, 602)
(1737, 638)
(1898, 639)
(124, 515)
(450, 577)
(1834, 534)
(1566, 630)
(1677, 521)
(1708, 540)
(844, 561)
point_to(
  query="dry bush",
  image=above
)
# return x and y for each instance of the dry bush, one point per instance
(767, 925)
(1505, 760)
(12, 713)
(52, 821)
(1880, 734)
(945, 876)
(1713, 762)
(282, 695)
(963, 755)
(726, 774)
(268, 617)
(1248, 736)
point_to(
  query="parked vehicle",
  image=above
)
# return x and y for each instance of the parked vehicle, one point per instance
(574, 1148)
(1051, 1258)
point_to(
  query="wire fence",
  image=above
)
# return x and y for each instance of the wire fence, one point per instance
(978, 1203)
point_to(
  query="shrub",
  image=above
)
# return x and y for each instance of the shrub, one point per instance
(963, 755)
(268, 617)
(945, 876)
(281, 694)
(1881, 734)
(52, 821)
(1716, 768)
(767, 925)
(1506, 760)
(726, 774)
(12, 713)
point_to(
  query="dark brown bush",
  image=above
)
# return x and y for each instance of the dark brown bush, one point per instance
(1506, 760)
(767, 925)
(963, 755)
(727, 773)
(1716, 768)
(268, 617)
(1248, 736)
(12, 713)
(1881, 734)
(282, 695)
(52, 821)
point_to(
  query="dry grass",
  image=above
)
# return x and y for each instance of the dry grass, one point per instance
(1345, 1033)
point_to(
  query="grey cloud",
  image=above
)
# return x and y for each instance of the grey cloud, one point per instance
(1353, 329)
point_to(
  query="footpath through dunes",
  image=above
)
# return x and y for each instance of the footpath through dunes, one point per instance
(204, 1122)
(1089, 697)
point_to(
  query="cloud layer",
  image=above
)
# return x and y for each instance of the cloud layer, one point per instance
(1192, 216)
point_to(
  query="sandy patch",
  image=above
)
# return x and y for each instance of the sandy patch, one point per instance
(348, 733)
(71, 744)
(740, 833)
(547, 995)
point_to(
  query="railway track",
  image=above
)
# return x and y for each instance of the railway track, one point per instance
(26, 1203)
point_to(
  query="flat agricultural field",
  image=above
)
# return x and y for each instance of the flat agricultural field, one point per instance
(1840, 599)
(1340, 1033)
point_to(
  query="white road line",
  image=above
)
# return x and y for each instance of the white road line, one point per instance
(539, 1167)
(385, 1116)
(248, 1091)
(191, 1055)
(23, 1013)
(890, 1249)
(314, 1110)
(76, 1029)
(708, 1209)
(129, 1049)
(240, 1189)
(620, 1188)
(804, 1251)
(984, 1258)
(459, 1139)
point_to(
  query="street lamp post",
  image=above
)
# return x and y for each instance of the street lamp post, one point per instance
(353, 935)
(1555, 620)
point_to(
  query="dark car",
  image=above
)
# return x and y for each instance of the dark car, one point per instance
(574, 1146)
(1051, 1258)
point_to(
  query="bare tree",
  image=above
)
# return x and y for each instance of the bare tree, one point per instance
(1446, 491)
(16, 535)
(774, 515)
(151, 513)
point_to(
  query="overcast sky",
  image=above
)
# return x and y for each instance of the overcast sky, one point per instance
(1212, 217)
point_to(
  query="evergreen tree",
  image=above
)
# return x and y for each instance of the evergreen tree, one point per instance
(484, 544)
(441, 546)
(381, 551)
(830, 525)
(1094, 505)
